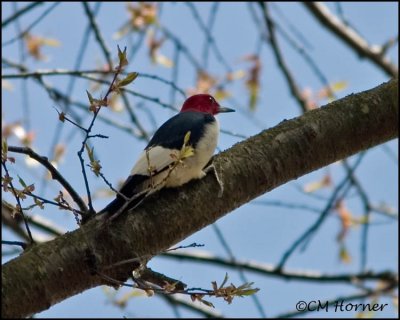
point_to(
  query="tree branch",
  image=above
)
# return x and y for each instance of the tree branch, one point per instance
(48, 273)
(55, 174)
(351, 37)
(275, 271)
(294, 88)
(20, 12)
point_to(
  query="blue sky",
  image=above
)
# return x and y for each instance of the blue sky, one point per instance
(254, 232)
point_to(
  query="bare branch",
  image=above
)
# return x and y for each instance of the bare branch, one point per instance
(20, 12)
(97, 34)
(294, 89)
(275, 271)
(189, 305)
(209, 37)
(314, 227)
(20, 210)
(55, 174)
(351, 37)
(30, 27)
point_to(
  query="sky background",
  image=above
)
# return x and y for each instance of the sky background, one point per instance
(254, 232)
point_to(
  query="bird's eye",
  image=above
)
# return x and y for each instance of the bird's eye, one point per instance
(211, 99)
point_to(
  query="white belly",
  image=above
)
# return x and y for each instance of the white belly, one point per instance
(190, 168)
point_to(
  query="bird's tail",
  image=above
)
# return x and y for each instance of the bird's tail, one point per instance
(132, 190)
(114, 206)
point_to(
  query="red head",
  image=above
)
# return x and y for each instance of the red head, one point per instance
(203, 103)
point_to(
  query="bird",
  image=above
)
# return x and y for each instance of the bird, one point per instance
(177, 153)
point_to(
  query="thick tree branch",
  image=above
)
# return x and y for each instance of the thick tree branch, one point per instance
(51, 272)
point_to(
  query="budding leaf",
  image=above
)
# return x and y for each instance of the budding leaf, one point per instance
(340, 85)
(4, 149)
(129, 78)
(344, 255)
(187, 152)
(90, 97)
(94, 103)
(207, 303)
(225, 280)
(187, 137)
(22, 182)
(90, 152)
(61, 116)
(39, 203)
(96, 167)
(123, 61)
(94, 164)
(248, 292)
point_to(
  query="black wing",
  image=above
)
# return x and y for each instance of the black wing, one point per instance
(172, 133)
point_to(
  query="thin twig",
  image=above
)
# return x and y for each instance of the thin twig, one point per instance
(190, 306)
(35, 220)
(13, 222)
(82, 73)
(183, 48)
(55, 174)
(367, 213)
(266, 269)
(303, 38)
(134, 118)
(175, 73)
(288, 205)
(308, 59)
(209, 37)
(65, 118)
(57, 204)
(192, 245)
(14, 243)
(71, 85)
(20, 12)
(89, 129)
(29, 28)
(139, 43)
(109, 184)
(279, 58)
(311, 230)
(98, 34)
(58, 95)
(21, 211)
(210, 25)
(26, 107)
(242, 276)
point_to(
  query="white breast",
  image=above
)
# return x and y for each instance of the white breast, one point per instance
(191, 168)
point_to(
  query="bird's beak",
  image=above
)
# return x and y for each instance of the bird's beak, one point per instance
(223, 109)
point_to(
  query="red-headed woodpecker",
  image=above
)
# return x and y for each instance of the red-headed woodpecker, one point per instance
(157, 166)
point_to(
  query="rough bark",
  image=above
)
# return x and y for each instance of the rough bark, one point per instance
(51, 272)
